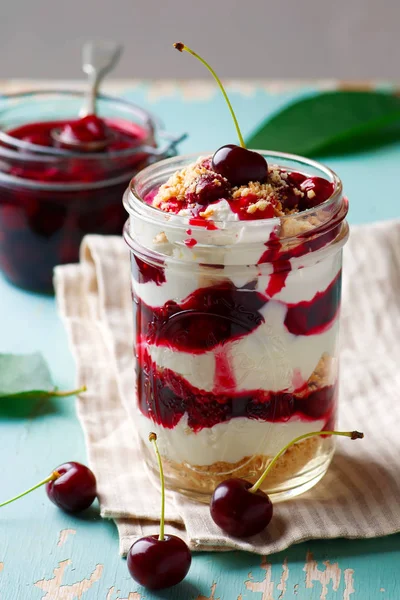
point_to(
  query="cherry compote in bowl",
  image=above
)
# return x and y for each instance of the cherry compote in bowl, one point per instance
(52, 194)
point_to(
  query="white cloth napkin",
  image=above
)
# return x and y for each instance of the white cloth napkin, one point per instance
(359, 496)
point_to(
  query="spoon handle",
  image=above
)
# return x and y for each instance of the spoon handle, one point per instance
(98, 59)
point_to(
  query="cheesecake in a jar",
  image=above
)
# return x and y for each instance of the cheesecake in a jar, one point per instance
(236, 300)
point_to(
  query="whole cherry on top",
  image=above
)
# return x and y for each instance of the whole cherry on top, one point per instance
(71, 487)
(159, 561)
(236, 163)
(242, 509)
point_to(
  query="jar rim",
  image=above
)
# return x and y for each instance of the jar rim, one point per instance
(48, 157)
(151, 121)
(134, 203)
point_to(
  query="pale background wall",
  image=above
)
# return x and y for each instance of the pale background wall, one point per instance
(243, 38)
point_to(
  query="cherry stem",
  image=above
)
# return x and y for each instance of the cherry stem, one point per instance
(181, 47)
(153, 440)
(54, 475)
(354, 435)
(68, 393)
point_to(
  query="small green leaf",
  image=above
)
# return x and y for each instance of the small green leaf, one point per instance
(27, 376)
(337, 121)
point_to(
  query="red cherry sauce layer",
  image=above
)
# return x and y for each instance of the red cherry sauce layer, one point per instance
(206, 320)
(41, 228)
(165, 396)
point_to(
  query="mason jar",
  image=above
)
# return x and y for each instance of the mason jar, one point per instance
(235, 343)
(51, 196)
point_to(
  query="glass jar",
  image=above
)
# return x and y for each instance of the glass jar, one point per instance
(50, 197)
(236, 336)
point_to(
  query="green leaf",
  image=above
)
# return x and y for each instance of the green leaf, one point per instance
(337, 121)
(27, 376)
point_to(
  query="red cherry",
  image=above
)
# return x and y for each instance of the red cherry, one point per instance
(158, 564)
(241, 508)
(318, 188)
(88, 129)
(71, 486)
(209, 188)
(159, 561)
(239, 512)
(75, 489)
(296, 178)
(240, 165)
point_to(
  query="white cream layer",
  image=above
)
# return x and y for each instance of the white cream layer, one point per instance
(230, 441)
(300, 285)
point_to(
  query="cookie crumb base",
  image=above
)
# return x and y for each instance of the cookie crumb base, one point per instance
(296, 471)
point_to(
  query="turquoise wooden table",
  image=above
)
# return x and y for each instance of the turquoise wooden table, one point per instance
(48, 555)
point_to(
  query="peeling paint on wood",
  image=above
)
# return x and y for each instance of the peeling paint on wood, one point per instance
(266, 586)
(284, 577)
(212, 597)
(332, 573)
(131, 595)
(1, 567)
(56, 591)
(64, 534)
(348, 579)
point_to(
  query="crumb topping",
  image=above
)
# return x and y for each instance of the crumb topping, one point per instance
(208, 213)
(184, 182)
(197, 189)
(197, 184)
(260, 205)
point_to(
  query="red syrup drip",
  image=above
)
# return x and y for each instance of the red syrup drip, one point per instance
(316, 315)
(190, 242)
(224, 379)
(310, 242)
(144, 272)
(201, 222)
(165, 396)
(278, 278)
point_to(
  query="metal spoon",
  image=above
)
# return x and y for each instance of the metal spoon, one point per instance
(98, 59)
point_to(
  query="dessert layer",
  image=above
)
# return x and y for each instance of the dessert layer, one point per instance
(166, 397)
(156, 285)
(230, 442)
(204, 479)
